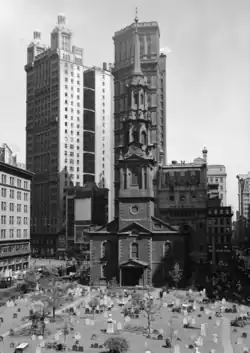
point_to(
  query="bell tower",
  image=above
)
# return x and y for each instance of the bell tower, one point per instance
(137, 154)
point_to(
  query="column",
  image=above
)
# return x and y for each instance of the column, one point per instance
(120, 278)
(142, 178)
(122, 177)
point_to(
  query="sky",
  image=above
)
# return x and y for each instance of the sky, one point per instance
(208, 68)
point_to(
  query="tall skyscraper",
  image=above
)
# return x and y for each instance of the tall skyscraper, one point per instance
(98, 119)
(54, 125)
(153, 66)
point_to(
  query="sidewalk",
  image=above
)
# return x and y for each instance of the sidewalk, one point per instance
(226, 336)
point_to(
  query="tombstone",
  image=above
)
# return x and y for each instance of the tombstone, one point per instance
(212, 350)
(194, 306)
(218, 323)
(92, 322)
(185, 321)
(40, 338)
(177, 348)
(200, 341)
(78, 336)
(33, 337)
(56, 337)
(119, 326)
(164, 295)
(193, 321)
(38, 349)
(127, 319)
(190, 291)
(196, 350)
(165, 305)
(105, 314)
(239, 340)
(185, 312)
(87, 322)
(223, 302)
(203, 330)
(215, 338)
(110, 325)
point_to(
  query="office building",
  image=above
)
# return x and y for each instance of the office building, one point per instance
(54, 125)
(219, 230)
(15, 189)
(153, 67)
(244, 194)
(217, 174)
(99, 129)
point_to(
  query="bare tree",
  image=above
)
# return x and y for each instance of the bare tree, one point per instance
(147, 305)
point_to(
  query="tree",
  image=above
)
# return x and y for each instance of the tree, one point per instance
(54, 294)
(37, 316)
(31, 279)
(176, 274)
(93, 303)
(147, 306)
(117, 345)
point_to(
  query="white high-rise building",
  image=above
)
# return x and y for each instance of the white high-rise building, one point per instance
(99, 111)
(54, 125)
(217, 174)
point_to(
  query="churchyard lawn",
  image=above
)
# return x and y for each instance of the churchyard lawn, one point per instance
(91, 328)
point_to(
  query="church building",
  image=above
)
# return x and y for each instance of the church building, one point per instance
(136, 248)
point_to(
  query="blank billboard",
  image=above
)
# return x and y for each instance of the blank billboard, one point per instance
(83, 209)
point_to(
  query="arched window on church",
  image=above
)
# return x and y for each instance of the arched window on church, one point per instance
(125, 178)
(134, 251)
(142, 98)
(143, 138)
(166, 248)
(135, 98)
(105, 249)
(136, 177)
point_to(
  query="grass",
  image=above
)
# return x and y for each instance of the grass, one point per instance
(135, 331)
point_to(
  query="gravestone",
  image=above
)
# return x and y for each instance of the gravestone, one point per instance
(203, 330)
(119, 326)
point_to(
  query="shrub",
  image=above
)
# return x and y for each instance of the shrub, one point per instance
(244, 335)
(117, 345)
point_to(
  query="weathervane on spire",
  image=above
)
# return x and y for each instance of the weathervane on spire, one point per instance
(136, 15)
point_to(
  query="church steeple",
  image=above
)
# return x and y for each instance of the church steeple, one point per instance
(137, 60)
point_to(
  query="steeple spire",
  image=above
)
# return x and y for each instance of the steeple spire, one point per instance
(137, 60)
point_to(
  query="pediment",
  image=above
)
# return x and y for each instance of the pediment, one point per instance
(161, 226)
(134, 229)
(110, 227)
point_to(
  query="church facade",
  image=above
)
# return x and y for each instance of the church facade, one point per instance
(136, 248)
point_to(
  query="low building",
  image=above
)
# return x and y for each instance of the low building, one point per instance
(15, 198)
(219, 230)
(181, 198)
(86, 207)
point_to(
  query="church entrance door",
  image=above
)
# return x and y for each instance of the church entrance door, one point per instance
(132, 276)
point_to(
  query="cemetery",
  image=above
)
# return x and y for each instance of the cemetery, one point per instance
(127, 321)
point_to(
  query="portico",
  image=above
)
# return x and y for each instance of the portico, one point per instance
(133, 273)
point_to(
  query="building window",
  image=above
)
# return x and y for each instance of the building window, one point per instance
(103, 271)
(134, 251)
(166, 248)
(105, 249)
(182, 197)
(143, 138)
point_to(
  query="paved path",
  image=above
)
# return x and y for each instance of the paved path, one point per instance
(226, 336)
